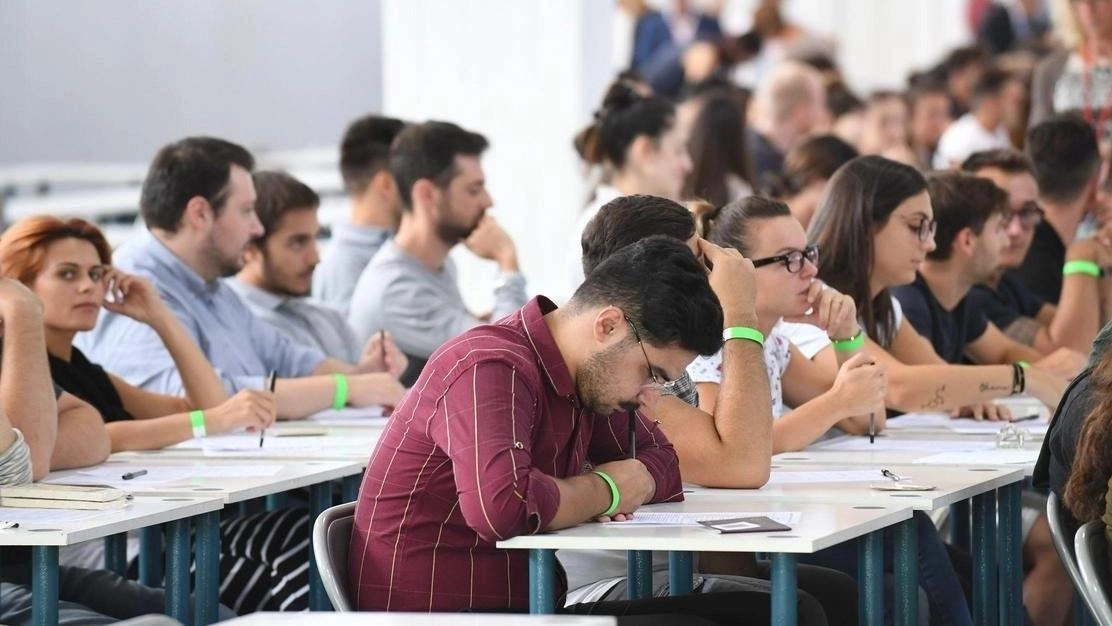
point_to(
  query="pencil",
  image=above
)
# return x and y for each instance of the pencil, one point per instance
(872, 427)
(633, 434)
(270, 381)
(382, 345)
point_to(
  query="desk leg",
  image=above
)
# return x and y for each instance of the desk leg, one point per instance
(277, 501)
(959, 524)
(984, 559)
(785, 590)
(320, 498)
(178, 556)
(351, 487)
(906, 575)
(1011, 556)
(44, 585)
(207, 593)
(115, 553)
(150, 556)
(870, 579)
(542, 581)
(679, 573)
(639, 574)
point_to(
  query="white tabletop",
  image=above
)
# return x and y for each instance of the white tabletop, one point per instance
(64, 527)
(317, 447)
(952, 484)
(819, 526)
(422, 619)
(881, 454)
(232, 480)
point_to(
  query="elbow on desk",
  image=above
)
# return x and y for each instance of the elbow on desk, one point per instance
(748, 475)
(496, 519)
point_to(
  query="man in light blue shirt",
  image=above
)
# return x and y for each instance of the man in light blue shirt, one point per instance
(375, 209)
(198, 202)
(280, 266)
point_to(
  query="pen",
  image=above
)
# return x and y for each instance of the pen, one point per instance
(382, 345)
(8, 525)
(891, 475)
(1025, 418)
(633, 434)
(872, 427)
(273, 378)
(135, 474)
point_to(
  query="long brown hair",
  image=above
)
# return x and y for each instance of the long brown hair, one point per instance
(1092, 466)
(23, 245)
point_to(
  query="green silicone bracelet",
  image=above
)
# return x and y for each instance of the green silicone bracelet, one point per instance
(849, 345)
(1023, 364)
(1082, 267)
(197, 421)
(615, 495)
(340, 400)
(744, 332)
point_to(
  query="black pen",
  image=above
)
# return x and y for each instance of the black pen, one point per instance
(135, 474)
(872, 427)
(1025, 418)
(633, 434)
(273, 378)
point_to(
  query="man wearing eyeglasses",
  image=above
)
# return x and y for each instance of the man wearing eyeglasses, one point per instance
(1005, 298)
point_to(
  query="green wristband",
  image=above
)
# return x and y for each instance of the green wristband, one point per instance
(744, 332)
(1023, 364)
(1082, 267)
(849, 345)
(197, 421)
(615, 495)
(340, 400)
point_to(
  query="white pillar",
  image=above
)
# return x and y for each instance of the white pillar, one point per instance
(527, 75)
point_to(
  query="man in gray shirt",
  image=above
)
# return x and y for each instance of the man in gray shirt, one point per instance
(375, 209)
(198, 202)
(409, 288)
(280, 266)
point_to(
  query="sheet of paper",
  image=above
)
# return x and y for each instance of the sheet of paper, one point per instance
(46, 517)
(160, 474)
(364, 416)
(966, 427)
(997, 456)
(250, 442)
(655, 518)
(929, 421)
(781, 477)
(887, 444)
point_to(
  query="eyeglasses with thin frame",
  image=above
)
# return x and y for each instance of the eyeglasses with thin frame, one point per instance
(1029, 215)
(657, 383)
(924, 230)
(793, 260)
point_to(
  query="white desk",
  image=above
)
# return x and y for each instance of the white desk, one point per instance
(883, 458)
(421, 619)
(72, 527)
(345, 446)
(820, 526)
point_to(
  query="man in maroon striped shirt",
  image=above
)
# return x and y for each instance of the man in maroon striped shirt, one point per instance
(497, 437)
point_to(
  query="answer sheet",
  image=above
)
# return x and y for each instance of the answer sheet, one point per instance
(886, 444)
(655, 518)
(112, 474)
(782, 477)
(997, 456)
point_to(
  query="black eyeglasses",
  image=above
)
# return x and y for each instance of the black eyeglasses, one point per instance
(792, 260)
(657, 383)
(924, 230)
(1029, 216)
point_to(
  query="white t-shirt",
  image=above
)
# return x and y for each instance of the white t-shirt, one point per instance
(807, 338)
(964, 137)
(777, 353)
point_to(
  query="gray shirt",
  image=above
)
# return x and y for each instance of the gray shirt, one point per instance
(240, 346)
(349, 251)
(306, 322)
(423, 308)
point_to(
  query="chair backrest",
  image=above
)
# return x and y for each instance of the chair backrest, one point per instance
(1056, 516)
(331, 539)
(1092, 559)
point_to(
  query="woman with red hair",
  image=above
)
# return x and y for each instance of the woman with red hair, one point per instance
(67, 263)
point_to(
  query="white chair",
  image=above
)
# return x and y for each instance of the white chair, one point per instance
(1092, 559)
(331, 540)
(1082, 610)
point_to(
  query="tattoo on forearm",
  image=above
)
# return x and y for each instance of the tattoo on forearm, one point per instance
(939, 399)
(1024, 330)
(985, 387)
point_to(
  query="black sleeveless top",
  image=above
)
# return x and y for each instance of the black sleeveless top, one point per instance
(91, 383)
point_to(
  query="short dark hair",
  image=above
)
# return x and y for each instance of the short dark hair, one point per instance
(840, 100)
(183, 170)
(816, 159)
(990, 83)
(279, 193)
(365, 150)
(1007, 160)
(429, 151)
(663, 289)
(629, 219)
(1064, 153)
(961, 200)
(924, 86)
(961, 58)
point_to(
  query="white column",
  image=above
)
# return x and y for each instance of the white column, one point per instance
(528, 76)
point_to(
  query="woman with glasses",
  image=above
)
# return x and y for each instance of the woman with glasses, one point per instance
(875, 227)
(787, 291)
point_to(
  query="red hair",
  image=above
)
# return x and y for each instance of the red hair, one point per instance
(23, 245)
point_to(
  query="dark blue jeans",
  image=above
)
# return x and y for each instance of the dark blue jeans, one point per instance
(948, 606)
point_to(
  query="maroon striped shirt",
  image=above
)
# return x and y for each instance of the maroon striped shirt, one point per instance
(468, 458)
